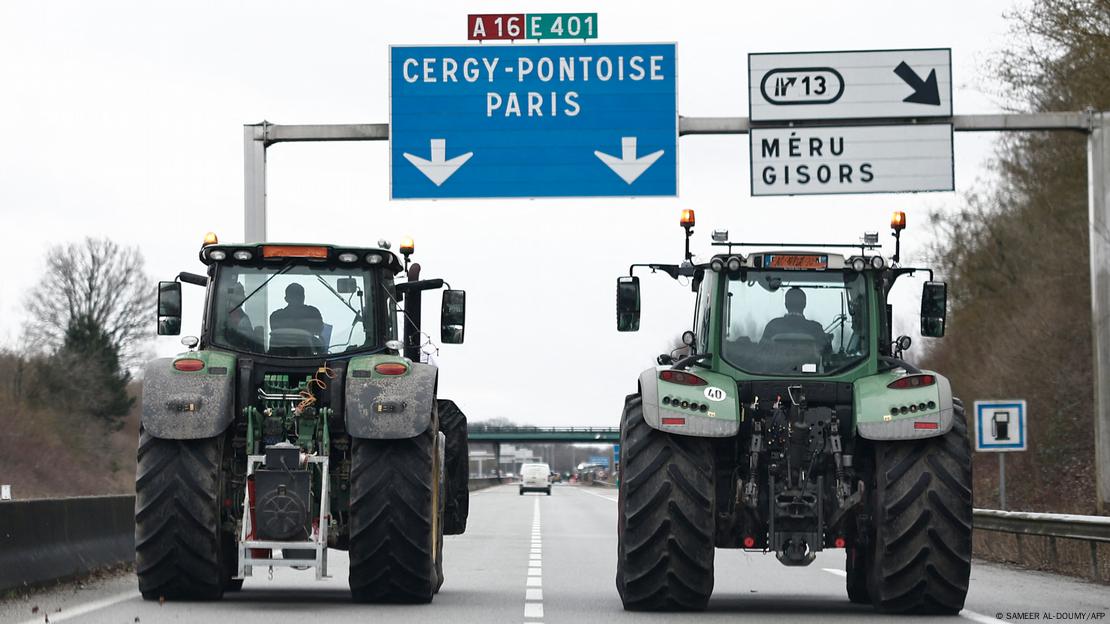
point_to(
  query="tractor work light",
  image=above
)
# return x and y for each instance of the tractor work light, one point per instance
(878, 263)
(720, 236)
(912, 381)
(733, 264)
(898, 221)
(681, 377)
(717, 265)
(687, 218)
(859, 264)
(348, 257)
(870, 238)
(217, 255)
(242, 255)
(210, 239)
(373, 258)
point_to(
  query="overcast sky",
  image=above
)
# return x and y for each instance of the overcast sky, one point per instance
(124, 119)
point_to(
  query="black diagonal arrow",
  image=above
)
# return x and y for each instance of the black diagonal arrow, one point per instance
(924, 91)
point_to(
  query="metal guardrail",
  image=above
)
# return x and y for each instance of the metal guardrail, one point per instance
(1091, 529)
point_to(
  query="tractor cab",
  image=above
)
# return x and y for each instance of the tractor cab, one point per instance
(303, 301)
(790, 310)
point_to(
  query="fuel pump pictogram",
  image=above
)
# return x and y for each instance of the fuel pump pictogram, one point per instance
(1000, 425)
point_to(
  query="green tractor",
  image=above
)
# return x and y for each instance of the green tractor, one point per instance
(793, 426)
(298, 422)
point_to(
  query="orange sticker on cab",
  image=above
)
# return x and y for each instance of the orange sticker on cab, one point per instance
(797, 261)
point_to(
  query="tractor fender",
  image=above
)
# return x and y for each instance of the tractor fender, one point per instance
(388, 407)
(180, 405)
(720, 420)
(874, 420)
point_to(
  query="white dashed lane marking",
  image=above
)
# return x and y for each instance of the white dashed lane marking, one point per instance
(533, 592)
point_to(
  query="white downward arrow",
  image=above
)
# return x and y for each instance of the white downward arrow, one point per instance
(438, 169)
(628, 167)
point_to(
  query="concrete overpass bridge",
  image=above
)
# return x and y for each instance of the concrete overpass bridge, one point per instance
(498, 435)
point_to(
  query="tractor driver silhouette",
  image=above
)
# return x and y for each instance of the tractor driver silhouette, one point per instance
(297, 315)
(795, 322)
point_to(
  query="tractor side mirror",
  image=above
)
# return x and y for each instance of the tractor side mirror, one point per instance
(628, 303)
(169, 308)
(934, 309)
(452, 317)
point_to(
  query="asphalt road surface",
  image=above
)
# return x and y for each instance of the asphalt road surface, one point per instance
(536, 559)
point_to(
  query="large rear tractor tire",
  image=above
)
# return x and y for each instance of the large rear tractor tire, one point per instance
(394, 524)
(922, 514)
(441, 505)
(857, 561)
(452, 422)
(179, 551)
(665, 517)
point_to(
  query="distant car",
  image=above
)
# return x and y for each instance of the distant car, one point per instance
(535, 478)
(555, 477)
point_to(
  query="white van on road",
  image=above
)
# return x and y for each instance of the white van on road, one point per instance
(535, 478)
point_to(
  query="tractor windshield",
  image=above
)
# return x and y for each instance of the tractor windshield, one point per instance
(297, 309)
(795, 322)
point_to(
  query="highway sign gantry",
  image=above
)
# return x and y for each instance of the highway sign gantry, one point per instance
(796, 86)
(494, 121)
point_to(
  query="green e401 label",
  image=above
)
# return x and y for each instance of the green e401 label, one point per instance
(562, 25)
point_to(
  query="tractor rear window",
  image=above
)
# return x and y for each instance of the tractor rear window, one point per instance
(796, 323)
(297, 309)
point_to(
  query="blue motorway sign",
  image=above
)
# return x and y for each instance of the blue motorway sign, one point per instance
(533, 121)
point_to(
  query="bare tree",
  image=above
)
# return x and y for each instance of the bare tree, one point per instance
(1016, 257)
(95, 281)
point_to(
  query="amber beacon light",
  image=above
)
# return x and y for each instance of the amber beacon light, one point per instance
(898, 221)
(687, 219)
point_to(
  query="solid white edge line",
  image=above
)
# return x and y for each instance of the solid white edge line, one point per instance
(979, 617)
(598, 495)
(967, 614)
(66, 614)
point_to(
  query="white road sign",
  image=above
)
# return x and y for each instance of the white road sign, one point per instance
(851, 159)
(1000, 426)
(850, 85)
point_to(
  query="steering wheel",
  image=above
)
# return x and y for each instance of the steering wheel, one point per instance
(286, 337)
(794, 340)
